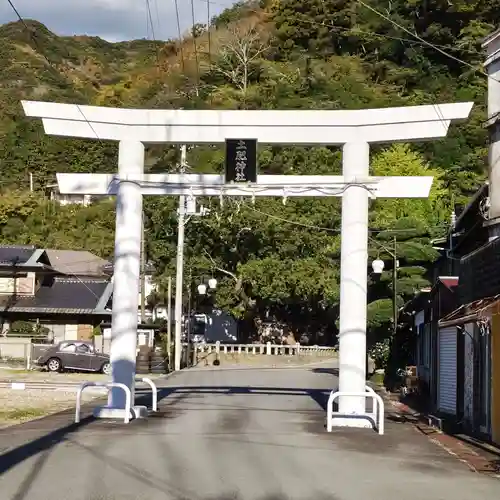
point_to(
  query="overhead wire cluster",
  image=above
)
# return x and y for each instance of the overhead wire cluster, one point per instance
(416, 39)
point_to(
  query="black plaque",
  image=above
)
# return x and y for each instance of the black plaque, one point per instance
(241, 160)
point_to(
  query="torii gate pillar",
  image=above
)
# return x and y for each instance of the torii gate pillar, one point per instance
(353, 283)
(126, 275)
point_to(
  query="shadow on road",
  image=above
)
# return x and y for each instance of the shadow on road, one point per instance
(320, 396)
(328, 371)
(43, 445)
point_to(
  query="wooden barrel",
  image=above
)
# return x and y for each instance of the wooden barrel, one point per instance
(143, 362)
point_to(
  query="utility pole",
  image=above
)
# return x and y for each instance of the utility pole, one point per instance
(143, 273)
(180, 270)
(394, 288)
(169, 323)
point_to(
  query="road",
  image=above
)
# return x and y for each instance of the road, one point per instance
(233, 435)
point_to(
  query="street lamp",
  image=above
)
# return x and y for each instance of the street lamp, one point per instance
(378, 266)
(202, 287)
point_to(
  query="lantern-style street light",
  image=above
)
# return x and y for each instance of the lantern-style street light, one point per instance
(378, 266)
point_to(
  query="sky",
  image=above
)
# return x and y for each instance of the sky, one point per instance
(113, 20)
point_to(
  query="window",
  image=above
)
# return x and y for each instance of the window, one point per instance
(68, 348)
(83, 349)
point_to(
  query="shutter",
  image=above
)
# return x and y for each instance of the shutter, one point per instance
(447, 400)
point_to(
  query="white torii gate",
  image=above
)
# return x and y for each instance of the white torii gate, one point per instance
(354, 130)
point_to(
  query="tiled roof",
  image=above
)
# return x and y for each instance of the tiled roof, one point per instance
(64, 295)
(15, 254)
(449, 282)
(469, 312)
(76, 262)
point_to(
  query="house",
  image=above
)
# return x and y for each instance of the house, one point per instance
(427, 308)
(66, 305)
(52, 192)
(458, 346)
(464, 377)
(478, 393)
(62, 295)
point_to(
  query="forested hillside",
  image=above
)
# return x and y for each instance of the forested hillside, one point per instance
(272, 260)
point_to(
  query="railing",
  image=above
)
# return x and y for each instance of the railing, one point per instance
(108, 386)
(378, 408)
(267, 349)
(154, 391)
(128, 395)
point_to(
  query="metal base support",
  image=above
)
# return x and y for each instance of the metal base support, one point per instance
(111, 413)
(356, 421)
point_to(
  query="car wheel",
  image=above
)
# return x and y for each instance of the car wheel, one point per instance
(106, 368)
(54, 365)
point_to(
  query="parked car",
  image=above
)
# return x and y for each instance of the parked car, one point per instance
(77, 355)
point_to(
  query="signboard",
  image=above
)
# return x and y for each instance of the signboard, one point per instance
(241, 160)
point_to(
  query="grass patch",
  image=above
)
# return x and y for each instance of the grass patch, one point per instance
(13, 371)
(22, 414)
(377, 379)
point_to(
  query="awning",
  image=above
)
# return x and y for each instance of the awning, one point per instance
(469, 312)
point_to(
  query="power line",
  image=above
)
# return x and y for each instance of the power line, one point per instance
(425, 42)
(195, 45)
(157, 14)
(150, 19)
(176, 4)
(209, 34)
(35, 41)
(354, 31)
(328, 229)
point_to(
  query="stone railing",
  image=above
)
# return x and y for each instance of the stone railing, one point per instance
(267, 349)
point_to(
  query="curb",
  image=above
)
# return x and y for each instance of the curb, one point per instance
(476, 462)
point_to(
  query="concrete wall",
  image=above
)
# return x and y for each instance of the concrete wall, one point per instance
(14, 348)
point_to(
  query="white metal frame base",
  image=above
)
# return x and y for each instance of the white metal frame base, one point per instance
(154, 391)
(125, 413)
(358, 419)
(109, 412)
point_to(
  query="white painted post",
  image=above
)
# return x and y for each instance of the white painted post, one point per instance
(179, 279)
(353, 284)
(126, 271)
(268, 348)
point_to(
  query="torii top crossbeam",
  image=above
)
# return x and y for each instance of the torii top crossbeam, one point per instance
(301, 127)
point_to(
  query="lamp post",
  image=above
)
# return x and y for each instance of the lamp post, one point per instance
(378, 266)
(202, 287)
(202, 291)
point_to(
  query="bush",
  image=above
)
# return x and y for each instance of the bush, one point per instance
(27, 329)
(380, 353)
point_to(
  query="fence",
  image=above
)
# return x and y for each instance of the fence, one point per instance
(267, 349)
(20, 351)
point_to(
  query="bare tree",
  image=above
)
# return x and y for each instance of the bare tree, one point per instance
(243, 44)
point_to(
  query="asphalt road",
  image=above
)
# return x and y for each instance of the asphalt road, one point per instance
(232, 435)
